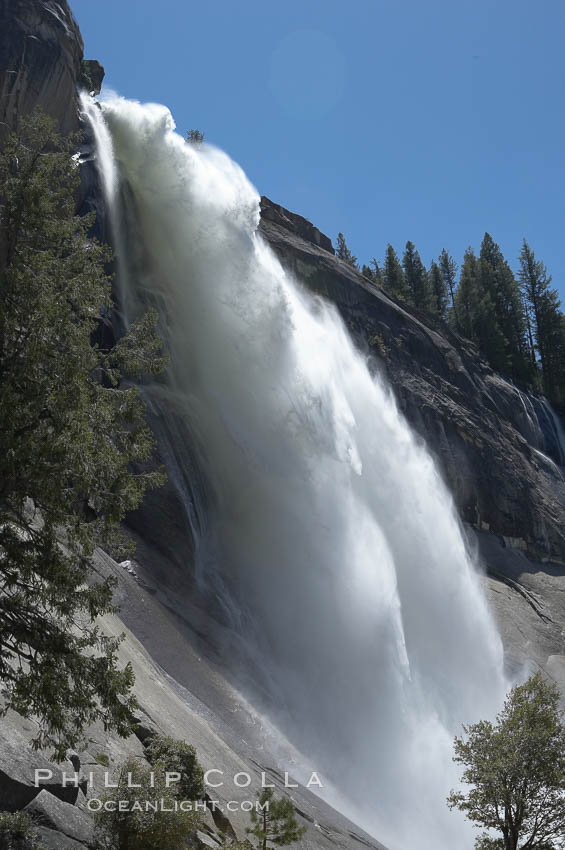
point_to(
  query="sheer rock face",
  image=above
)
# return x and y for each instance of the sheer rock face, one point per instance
(496, 446)
(41, 51)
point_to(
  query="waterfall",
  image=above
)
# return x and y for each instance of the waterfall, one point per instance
(329, 537)
(557, 429)
(531, 428)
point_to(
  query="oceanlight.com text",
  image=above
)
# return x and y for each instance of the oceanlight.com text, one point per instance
(172, 805)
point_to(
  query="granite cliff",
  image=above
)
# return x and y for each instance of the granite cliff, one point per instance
(41, 53)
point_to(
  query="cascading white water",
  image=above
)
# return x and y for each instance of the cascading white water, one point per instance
(327, 525)
(557, 429)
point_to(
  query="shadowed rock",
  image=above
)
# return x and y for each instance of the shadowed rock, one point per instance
(40, 61)
(46, 810)
(17, 776)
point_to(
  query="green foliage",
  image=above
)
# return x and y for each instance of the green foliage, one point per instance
(195, 137)
(66, 455)
(137, 826)
(343, 252)
(475, 311)
(17, 832)
(517, 324)
(498, 285)
(417, 282)
(377, 343)
(448, 268)
(103, 759)
(276, 823)
(439, 296)
(487, 308)
(466, 299)
(85, 78)
(545, 321)
(175, 755)
(394, 281)
(373, 273)
(516, 770)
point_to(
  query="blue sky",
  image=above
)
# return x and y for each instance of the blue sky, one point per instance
(429, 120)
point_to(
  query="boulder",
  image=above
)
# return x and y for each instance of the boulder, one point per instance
(204, 841)
(47, 811)
(17, 777)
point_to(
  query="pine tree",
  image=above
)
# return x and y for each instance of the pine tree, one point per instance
(343, 252)
(552, 329)
(466, 300)
(393, 275)
(448, 268)
(533, 278)
(68, 434)
(475, 312)
(373, 273)
(276, 822)
(438, 288)
(416, 276)
(498, 283)
(545, 322)
(195, 137)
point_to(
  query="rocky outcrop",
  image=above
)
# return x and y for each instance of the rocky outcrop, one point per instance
(496, 445)
(296, 224)
(92, 76)
(41, 63)
(40, 60)
(18, 763)
(67, 820)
